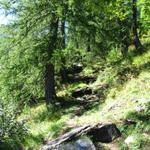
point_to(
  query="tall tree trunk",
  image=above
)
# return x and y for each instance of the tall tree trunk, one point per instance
(63, 46)
(49, 84)
(136, 39)
(63, 41)
(50, 93)
(63, 34)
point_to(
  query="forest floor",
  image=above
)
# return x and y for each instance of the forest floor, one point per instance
(118, 92)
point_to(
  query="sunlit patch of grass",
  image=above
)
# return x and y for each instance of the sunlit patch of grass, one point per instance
(121, 97)
(133, 93)
(42, 124)
(142, 59)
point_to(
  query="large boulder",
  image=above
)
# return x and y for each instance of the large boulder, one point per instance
(104, 133)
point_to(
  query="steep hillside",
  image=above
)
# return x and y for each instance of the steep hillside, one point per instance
(118, 91)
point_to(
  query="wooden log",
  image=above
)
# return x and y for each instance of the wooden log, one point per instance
(98, 132)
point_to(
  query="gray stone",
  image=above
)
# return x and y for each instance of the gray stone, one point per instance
(83, 143)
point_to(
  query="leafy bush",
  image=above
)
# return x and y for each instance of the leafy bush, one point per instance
(11, 129)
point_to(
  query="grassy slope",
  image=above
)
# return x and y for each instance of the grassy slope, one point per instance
(129, 90)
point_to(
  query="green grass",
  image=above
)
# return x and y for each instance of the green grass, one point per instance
(128, 88)
(42, 125)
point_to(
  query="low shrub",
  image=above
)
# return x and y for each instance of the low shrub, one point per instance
(12, 131)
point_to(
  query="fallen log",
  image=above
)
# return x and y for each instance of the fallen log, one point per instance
(99, 133)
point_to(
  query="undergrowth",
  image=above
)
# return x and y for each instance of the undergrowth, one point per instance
(127, 97)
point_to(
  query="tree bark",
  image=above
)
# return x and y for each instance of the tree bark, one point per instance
(49, 84)
(63, 46)
(50, 93)
(63, 34)
(63, 42)
(136, 39)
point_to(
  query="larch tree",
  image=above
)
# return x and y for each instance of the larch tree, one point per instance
(34, 31)
(136, 39)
